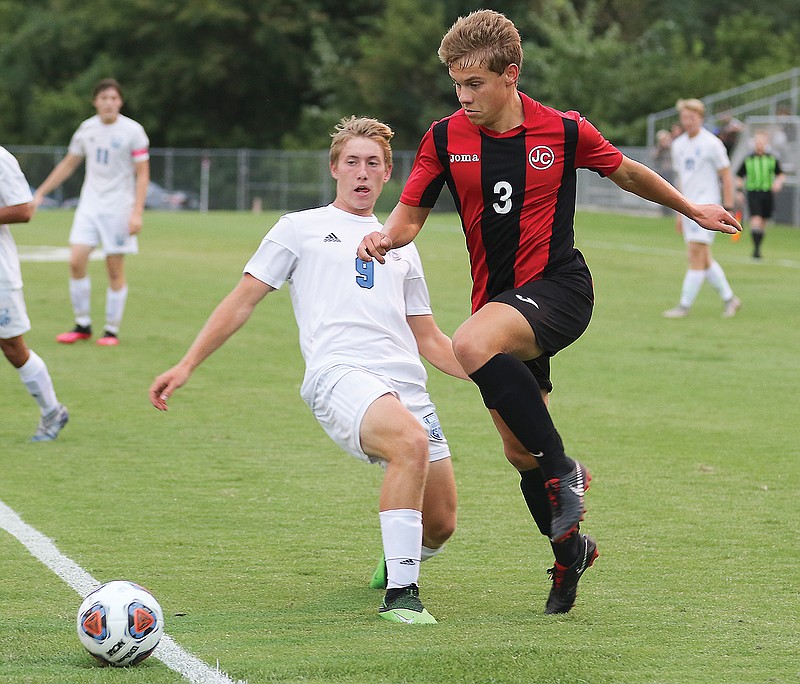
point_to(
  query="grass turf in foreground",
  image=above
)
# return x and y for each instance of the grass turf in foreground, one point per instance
(258, 536)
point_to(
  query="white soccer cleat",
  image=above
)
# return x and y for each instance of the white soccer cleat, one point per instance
(731, 307)
(676, 312)
(51, 424)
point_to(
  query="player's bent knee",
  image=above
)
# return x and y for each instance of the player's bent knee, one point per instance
(521, 460)
(469, 351)
(418, 447)
(15, 350)
(408, 447)
(439, 530)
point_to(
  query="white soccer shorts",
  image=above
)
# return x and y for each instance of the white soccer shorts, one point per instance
(339, 407)
(107, 230)
(692, 232)
(14, 319)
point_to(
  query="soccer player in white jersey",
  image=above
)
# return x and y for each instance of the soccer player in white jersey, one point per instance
(16, 206)
(362, 331)
(701, 163)
(109, 213)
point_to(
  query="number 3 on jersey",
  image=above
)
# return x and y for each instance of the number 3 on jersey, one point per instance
(365, 273)
(503, 191)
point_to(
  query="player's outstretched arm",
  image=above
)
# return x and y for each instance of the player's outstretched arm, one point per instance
(434, 346)
(63, 170)
(640, 180)
(17, 213)
(402, 226)
(230, 315)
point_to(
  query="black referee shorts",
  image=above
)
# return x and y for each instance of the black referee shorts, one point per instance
(558, 308)
(760, 203)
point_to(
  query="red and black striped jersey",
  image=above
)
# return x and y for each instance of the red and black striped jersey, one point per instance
(514, 191)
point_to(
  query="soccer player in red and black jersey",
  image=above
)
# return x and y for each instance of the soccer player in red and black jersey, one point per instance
(511, 164)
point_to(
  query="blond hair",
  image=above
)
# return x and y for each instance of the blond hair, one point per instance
(484, 38)
(362, 127)
(693, 105)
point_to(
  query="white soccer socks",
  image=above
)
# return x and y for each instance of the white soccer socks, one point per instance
(401, 530)
(36, 378)
(80, 294)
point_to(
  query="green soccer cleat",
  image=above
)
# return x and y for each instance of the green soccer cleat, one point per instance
(378, 580)
(403, 605)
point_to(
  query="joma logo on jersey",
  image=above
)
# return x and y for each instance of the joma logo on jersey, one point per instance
(464, 158)
(541, 157)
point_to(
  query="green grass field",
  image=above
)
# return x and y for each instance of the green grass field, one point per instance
(258, 536)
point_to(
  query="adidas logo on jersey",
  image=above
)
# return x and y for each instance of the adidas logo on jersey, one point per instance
(331, 237)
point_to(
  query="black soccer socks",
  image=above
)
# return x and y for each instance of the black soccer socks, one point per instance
(507, 386)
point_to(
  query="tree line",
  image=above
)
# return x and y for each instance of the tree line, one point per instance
(280, 73)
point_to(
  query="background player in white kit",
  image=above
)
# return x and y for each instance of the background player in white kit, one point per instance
(110, 209)
(701, 163)
(361, 333)
(16, 206)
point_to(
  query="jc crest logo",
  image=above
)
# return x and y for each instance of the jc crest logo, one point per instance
(541, 157)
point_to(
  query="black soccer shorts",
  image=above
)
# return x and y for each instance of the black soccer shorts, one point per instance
(558, 309)
(760, 203)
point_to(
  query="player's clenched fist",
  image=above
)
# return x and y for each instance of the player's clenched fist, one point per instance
(374, 245)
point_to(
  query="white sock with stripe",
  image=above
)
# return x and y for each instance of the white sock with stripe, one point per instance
(36, 378)
(401, 530)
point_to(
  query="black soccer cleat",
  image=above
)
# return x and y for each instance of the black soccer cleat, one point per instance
(565, 578)
(566, 501)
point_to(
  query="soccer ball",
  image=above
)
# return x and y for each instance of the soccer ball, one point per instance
(120, 623)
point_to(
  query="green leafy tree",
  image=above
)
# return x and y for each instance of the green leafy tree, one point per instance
(579, 60)
(392, 74)
(399, 75)
(197, 73)
(755, 45)
(280, 73)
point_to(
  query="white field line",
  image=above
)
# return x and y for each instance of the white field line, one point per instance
(170, 653)
(41, 253)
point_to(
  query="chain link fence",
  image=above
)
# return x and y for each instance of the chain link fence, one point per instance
(256, 180)
(277, 180)
(224, 179)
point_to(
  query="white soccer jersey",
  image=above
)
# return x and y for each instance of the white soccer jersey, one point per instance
(14, 189)
(111, 151)
(697, 161)
(349, 312)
